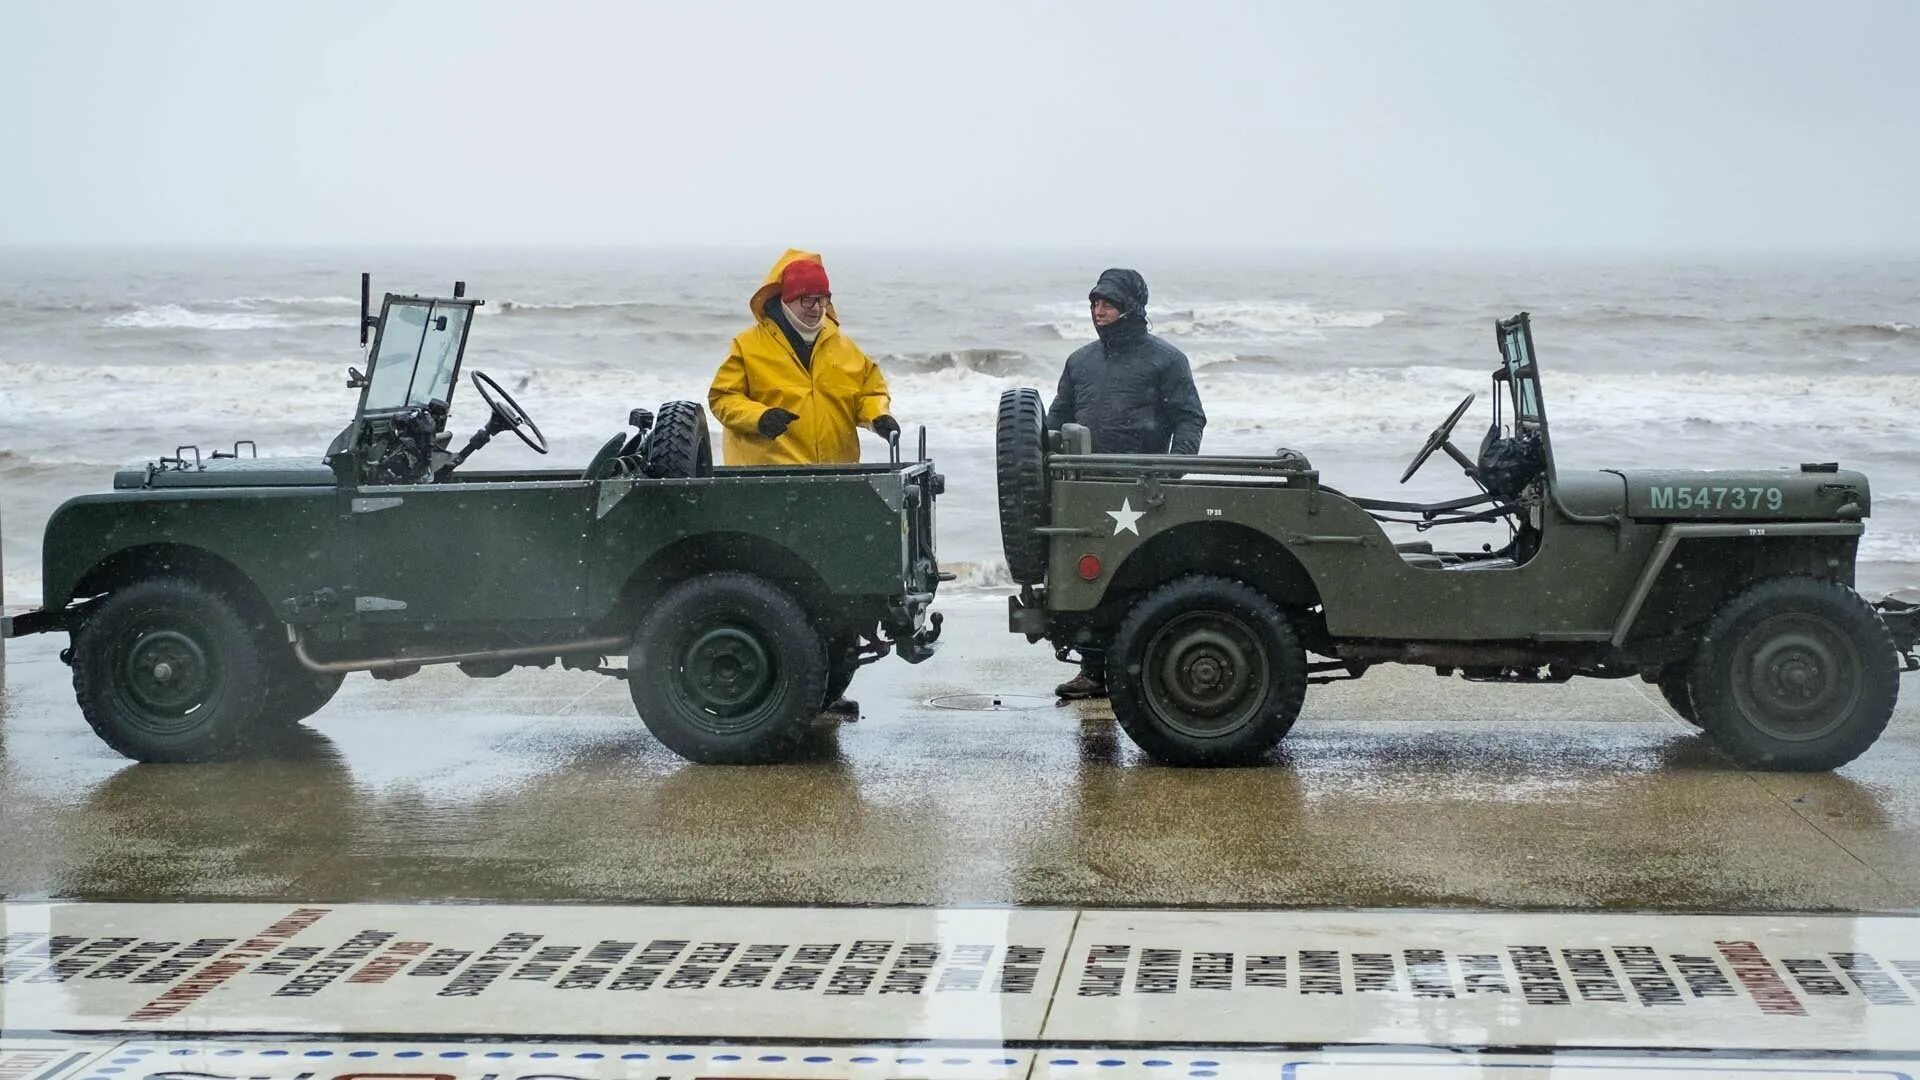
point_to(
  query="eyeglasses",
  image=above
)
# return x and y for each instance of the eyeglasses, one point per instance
(816, 300)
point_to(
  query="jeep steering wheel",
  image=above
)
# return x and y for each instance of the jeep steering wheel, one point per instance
(508, 413)
(1438, 439)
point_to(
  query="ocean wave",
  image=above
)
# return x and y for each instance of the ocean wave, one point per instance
(176, 317)
(1878, 331)
(528, 306)
(996, 363)
(1221, 320)
(293, 301)
(627, 311)
(985, 574)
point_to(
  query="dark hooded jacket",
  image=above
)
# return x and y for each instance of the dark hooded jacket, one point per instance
(1132, 390)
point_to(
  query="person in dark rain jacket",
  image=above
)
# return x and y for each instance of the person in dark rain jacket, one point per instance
(1134, 392)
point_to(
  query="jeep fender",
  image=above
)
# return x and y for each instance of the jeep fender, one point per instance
(1672, 536)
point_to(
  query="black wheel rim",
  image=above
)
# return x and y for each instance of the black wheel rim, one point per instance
(165, 675)
(1205, 674)
(1797, 677)
(725, 679)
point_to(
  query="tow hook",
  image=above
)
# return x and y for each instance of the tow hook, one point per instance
(66, 656)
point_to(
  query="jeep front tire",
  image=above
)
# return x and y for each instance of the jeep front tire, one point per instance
(1206, 671)
(728, 670)
(1795, 674)
(1673, 687)
(167, 670)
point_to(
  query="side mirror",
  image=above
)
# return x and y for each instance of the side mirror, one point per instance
(355, 380)
(440, 324)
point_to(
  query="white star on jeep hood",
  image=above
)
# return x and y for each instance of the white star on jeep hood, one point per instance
(1126, 519)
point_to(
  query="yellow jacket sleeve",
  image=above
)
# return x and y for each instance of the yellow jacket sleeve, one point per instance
(875, 399)
(727, 398)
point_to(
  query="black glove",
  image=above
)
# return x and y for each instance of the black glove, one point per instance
(774, 422)
(886, 426)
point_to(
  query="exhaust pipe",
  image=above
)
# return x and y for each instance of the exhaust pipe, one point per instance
(597, 646)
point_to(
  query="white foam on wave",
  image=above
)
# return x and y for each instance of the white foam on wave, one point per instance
(1229, 320)
(1349, 421)
(294, 301)
(176, 317)
(1333, 407)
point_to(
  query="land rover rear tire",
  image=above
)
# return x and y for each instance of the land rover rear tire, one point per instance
(167, 670)
(295, 691)
(678, 447)
(728, 670)
(1795, 674)
(1206, 671)
(841, 668)
(1020, 468)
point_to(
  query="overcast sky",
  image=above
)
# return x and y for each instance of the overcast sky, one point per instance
(1182, 123)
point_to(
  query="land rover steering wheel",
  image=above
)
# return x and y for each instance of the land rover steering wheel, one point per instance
(1438, 439)
(508, 412)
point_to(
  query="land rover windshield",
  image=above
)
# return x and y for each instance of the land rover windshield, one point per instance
(417, 355)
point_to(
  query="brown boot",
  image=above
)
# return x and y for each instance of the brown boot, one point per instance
(1080, 687)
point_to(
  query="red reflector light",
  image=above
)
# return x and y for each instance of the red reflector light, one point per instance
(1089, 567)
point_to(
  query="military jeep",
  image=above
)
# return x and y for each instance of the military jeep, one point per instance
(1207, 582)
(210, 597)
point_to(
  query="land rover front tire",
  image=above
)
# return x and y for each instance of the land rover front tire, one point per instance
(1206, 671)
(728, 670)
(167, 670)
(1795, 674)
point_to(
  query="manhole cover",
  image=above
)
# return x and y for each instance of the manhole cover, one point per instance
(991, 702)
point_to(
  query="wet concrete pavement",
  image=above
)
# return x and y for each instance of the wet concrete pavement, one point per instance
(1400, 789)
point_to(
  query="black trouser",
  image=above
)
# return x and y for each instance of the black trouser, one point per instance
(1093, 664)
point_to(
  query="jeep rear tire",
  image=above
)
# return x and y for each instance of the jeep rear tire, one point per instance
(1206, 671)
(728, 670)
(1020, 467)
(1795, 674)
(167, 670)
(678, 447)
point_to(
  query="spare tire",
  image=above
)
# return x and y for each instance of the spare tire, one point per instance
(678, 447)
(1020, 465)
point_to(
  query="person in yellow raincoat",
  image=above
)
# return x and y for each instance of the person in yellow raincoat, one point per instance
(794, 390)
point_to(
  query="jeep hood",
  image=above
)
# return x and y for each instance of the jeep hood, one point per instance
(1809, 493)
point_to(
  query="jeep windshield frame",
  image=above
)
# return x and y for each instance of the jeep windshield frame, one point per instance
(1515, 337)
(414, 360)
